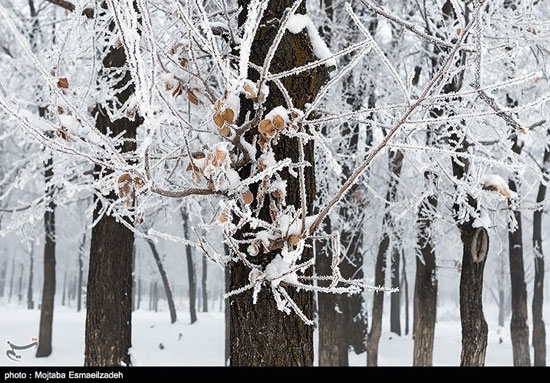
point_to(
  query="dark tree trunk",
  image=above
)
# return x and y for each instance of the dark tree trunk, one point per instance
(48, 289)
(425, 286)
(30, 301)
(539, 331)
(333, 342)
(191, 275)
(519, 330)
(474, 328)
(406, 292)
(164, 278)
(395, 299)
(203, 285)
(261, 335)
(373, 338)
(388, 227)
(109, 292)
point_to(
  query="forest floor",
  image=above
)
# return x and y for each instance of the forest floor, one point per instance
(157, 342)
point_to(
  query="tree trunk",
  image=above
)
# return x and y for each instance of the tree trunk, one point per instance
(64, 291)
(474, 328)
(20, 291)
(261, 335)
(155, 297)
(333, 341)
(519, 330)
(30, 301)
(395, 299)
(191, 275)
(406, 292)
(164, 278)
(425, 286)
(3, 273)
(12, 278)
(109, 293)
(539, 331)
(204, 290)
(388, 227)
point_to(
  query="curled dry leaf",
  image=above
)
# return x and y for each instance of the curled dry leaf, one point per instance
(278, 122)
(228, 115)
(293, 239)
(253, 249)
(218, 120)
(225, 131)
(248, 197)
(192, 97)
(266, 128)
(62, 82)
(219, 157)
(223, 217)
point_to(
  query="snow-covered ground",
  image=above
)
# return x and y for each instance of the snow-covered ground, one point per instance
(157, 342)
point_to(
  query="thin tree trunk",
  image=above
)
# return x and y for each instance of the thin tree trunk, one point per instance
(191, 275)
(155, 297)
(64, 291)
(109, 292)
(3, 273)
(204, 290)
(134, 278)
(406, 293)
(30, 301)
(519, 329)
(164, 278)
(150, 296)
(12, 278)
(395, 298)
(539, 331)
(20, 291)
(261, 335)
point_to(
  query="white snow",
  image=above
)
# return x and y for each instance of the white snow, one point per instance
(202, 344)
(278, 111)
(297, 23)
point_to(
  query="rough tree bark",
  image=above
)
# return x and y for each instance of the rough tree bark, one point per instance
(333, 343)
(109, 293)
(425, 286)
(164, 278)
(260, 334)
(539, 331)
(388, 227)
(519, 330)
